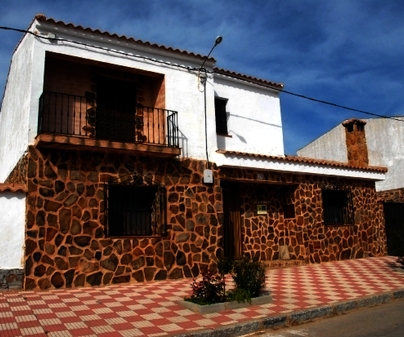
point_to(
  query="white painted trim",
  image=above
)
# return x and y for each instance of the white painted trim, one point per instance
(297, 167)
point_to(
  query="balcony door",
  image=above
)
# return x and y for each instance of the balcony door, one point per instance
(116, 109)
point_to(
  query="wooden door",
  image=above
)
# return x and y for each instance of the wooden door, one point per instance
(394, 220)
(116, 109)
(232, 235)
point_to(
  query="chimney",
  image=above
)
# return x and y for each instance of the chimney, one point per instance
(356, 142)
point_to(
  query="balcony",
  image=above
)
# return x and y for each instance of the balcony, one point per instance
(70, 121)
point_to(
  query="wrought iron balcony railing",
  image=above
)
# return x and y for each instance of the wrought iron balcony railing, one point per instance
(105, 119)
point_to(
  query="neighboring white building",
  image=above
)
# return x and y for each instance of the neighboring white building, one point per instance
(384, 139)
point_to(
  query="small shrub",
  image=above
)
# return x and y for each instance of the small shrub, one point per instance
(239, 295)
(211, 289)
(224, 265)
(249, 276)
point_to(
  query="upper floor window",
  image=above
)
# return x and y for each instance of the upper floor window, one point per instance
(337, 207)
(221, 116)
(137, 210)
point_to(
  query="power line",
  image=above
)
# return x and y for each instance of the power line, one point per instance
(197, 69)
(119, 52)
(340, 106)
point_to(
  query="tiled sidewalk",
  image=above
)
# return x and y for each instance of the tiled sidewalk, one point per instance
(152, 309)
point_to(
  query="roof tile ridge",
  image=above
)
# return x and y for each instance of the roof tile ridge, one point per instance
(13, 187)
(43, 18)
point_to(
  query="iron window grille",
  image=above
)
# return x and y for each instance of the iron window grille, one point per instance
(337, 207)
(136, 210)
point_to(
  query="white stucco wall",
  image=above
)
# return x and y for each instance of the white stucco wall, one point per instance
(185, 95)
(330, 146)
(12, 229)
(385, 140)
(15, 109)
(254, 117)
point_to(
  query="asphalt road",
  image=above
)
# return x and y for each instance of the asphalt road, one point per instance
(386, 320)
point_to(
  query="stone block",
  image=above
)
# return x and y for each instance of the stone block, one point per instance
(11, 278)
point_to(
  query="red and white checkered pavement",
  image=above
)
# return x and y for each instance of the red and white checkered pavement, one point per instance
(152, 309)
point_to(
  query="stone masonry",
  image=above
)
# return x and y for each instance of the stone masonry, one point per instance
(67, 246)
(396, 195)
(357, 149)
(305, 235)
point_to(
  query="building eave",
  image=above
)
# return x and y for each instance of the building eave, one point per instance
(300, 165)
(250, 79)
(96, 34)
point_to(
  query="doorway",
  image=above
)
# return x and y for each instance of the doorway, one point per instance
(394, 220)
(116, 109)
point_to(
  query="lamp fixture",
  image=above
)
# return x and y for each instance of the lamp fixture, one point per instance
(218, 40)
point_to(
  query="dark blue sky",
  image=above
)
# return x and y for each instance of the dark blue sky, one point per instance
(348, 52)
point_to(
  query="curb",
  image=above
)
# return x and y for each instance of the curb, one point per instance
(212, 308)
(298, 317)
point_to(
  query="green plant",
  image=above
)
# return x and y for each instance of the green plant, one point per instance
(224, 265)
(239, 295)
(211, 289)
(249, 276)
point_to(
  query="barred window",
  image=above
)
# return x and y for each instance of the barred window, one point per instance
(136, 210)
(337, 207)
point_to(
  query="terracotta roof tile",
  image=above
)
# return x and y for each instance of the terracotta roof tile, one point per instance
(248, 78)
(43, 18)
(9, 187)
(305, 160)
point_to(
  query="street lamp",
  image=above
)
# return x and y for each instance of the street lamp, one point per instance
(207, 173)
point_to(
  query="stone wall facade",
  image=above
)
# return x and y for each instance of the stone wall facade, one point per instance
(305, 235)
(67, 244)
(396, 195)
